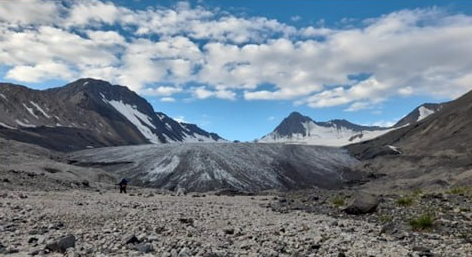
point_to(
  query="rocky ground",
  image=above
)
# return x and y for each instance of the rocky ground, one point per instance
(96, 220)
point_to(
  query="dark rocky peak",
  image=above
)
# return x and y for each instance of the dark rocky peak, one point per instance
(94, 93)
(193, 128)
(293, 124)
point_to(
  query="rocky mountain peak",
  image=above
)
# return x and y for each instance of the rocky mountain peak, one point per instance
(88, 113)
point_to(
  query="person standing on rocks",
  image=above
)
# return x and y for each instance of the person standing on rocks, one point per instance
(123, 183)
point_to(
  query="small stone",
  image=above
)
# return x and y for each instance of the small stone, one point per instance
(228, 231)
(35, 252)
(420, 249)
(188, 221)
(144, 247)
(32, 240)
(184, 252)
(142, 237)
(153, 238)
(131, 239)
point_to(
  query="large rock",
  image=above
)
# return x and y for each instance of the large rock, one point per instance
(362, 203)
(62, 244)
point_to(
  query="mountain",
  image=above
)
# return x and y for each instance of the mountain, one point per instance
(419, 113)
(211, 166)
(300, 129)
(88, 113)
(435, 150)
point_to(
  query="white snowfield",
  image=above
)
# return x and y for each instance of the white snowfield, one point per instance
(141, 121)
(211, 166)
(327, 136)
(424, 112)
(144, 124)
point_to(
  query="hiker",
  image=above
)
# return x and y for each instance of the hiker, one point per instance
(123, 183)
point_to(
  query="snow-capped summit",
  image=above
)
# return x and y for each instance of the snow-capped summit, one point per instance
(418, 114)
(88, 113)
(300, 129)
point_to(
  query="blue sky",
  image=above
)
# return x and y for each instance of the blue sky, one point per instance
(238, 68)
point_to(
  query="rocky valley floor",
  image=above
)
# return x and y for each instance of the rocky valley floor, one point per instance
(90, 222)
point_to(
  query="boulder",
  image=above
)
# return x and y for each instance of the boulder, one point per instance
(362, 203)
(62, 244)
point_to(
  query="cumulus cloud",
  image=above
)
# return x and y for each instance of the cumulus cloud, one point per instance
(40, 72)
(161, 91)
(407, 52)
(168, 99)
(18, 13)
(203, 93)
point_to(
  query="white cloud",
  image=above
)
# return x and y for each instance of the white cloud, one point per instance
(271, 118)
(87, 12)
(40, 72)
(22, 12)
(168, 99)
(161, 91)
(408, 52)
(296, 18)
(203, 93)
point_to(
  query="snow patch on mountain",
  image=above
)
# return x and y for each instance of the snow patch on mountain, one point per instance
(141, 121)
(30, 110)
(4, 97)
(41, 110)
(24, 124)
(6, 126)
(394, 148)
(424, 112)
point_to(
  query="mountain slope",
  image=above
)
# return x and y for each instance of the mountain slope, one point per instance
(88, 113)
(418, 114)
(300, 129)
(204, 167)
(436, 149)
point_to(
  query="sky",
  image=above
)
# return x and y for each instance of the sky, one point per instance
(238, 68)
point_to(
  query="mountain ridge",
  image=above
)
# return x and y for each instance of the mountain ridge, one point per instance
(93, 113)
(297, 128)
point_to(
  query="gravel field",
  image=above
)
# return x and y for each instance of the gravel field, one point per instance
(145, 222)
